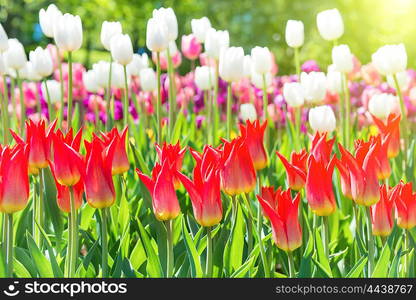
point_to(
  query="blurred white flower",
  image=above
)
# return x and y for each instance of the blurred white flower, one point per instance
(108, 31)
(294, 33)
(148, 80)
(15, 56)
(403, 80)
(167, 15)
(322, 119)
(342, 59)
(204, 77)
(381, 105)
(48, 18)
(261, 60)
(138, 63)
(4, 40)
(231, 64)
(31, 73)
(333, 80)
(314, 86)
(156, 35)
(330, 24)
(54, 89)
(215, 41)
(257, 79)
(390, 59)
(248, 112)
(67, 32)
(90, 81)
(121, 49)
(200, 28)
(41, 61)
(293, 94)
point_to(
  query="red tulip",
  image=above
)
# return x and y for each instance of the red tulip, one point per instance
(99, 186)
(63, 195)
(253, 133)
(282, 212)
(382, 212)
(174, 154)
(205, 189)
(14, 180)
(39, 141)
(120, 162)
(237, 170)
(392, 128)
(68, 165)
(160, 186)
(296, 170)
(322, 147)
(405, 205)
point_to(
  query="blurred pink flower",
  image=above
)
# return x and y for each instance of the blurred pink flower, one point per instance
(370, 75)
(191, 47)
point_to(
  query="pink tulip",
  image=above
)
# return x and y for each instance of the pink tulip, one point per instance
(191, 48)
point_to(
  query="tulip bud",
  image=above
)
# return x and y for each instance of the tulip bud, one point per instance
(148, 80)
(293, 94)
(330, 24)
(258, 79)
(121, 49)
(322, 119)
(204, 77)
(156, 35)
(390, 128)
(48, 18)
(30, 73)
(102, 71)
(248, 112)
(117, 76)
(231, 64)
(41, 61)
(294, 33)
(200, 28)
(191, 47)
(296, 169)
(138, 63)
(15, 56)
(314, 86)
(342, 59)
(334, 80)
(253, 133)
(405, 206)
(167, 15)
(108, 31)
(67, 32)
(390, 59)
(247, 65)
(4, 40)
(215, 41)
(90, 82)
(54, 89)
(382, 212)
(403, 80)
(380, 105)
(261, 60)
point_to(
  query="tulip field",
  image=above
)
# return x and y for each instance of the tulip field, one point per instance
(129, 168)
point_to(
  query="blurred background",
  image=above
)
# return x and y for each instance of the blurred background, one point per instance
(369, 24)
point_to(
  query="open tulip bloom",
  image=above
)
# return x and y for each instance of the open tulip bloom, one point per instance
(194, 157)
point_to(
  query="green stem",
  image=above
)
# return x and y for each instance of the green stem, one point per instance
(297, 62)
(158, 100)
(291, 263)
(69, 112)
(326, 235)
(249, 226)
(229, 116)
(108, 110)
(9, 247)
(172, 100)
(265, 113)
(48, 98)
(5, 111)
(403, 124)
(104, 243)
(208, 268)
(214, 105)
(347, 110)
(38, 210)
(169, 258)
(13, 100)
(298, 114)
(406, 258)
(97, 117)
(208, 105)
(22, 104)
(126, 99)
(74, 235)
(61, 114)
(370, 245)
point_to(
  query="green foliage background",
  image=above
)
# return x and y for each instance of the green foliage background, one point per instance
(368, 23)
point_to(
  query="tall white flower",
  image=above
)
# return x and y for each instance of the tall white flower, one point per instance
(167, 15)
(381, 105)
(4, 40)
(293, 94)
(342, 59)
(322, 119)
(330, 24)
(121, 49)
(261, 59)
(156, 35)
(204, 77)
(215, 41)
(54, 89)
(41, 61)
(294, 33)
(15, 56)
(90, 81)
(67, 32)
(108, 31)
(334, 80)
(148, 80)
(138, 63)
(314, 86)
(102, 72)
(231, 64)
(48, 19)
(257, 79)
(390, 59)
(248, 112)
(200, 28)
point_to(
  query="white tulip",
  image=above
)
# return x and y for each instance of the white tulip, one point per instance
(322, 119)
(330, 24)
(4, 40)
(41, 61)
(48, 19)
(117, 75)
(403, 80)
(54, 89)
(342, 59)
(247, 65)
(138, 63)
(200, 28)
(148, 80)
(381, 105)
(204, 77)
(156, 35)
(248, 112)
(102, 73)
(215, 41)
(15, 56)
(231, 64)
(334, 80)
(314, 86)
(31, 73)
(67, 32)
(261, 59)
(3, 68)
(293, 94)
(108, 31)
(90, 81)
(294, 33)
(257, 79)
(167, 15)
(390, 59)
(122, 49)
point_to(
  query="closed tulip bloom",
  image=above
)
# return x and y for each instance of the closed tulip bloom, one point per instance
(247, 65)
(14, 179)
(248, 112)
(261, 60)
(204, 78)
(405, 206)
(138, 63)
(3, 69)
(48, 19)
(54, 89)
(296, 169)
(322, 119)
(41, 61)
(333, 80)
(231, 64)
(191, 47)
(237, 169)
(205, 188)
(148, 80)
(108, 31)
(200, 28)
(314, 86)
(4, 40)
(121, 49)
(321, 147)
(390, 59)
(253, 133)
(30, 73)
(382, 212)
(174, 155)
(167, 15)
(102, 71)
(342, 58)
(293, 94)
(257, 79)
(330, 24)
(117, 76)
(63, 195)
(120, 163)
(160, 186)
(294, 33)
(67, 32)
(215, 41)
(157, 35)
(15, 56)
(99, 185)
(283, 213)
(89, 79)
(390, 128)
(381, 105)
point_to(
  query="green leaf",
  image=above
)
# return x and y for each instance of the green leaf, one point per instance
(138, 255)
(322, 258)
(42, 264)
(382, 267)
(358, 268)
(233, 252)
(196, 269)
